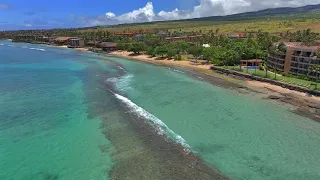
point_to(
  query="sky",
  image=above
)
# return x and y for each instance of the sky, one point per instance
(47, 14)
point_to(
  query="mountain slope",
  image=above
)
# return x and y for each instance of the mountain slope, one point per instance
(263, 13)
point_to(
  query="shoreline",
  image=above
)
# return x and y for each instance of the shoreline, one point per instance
(132, 136)
(304, 104)
(85, 49)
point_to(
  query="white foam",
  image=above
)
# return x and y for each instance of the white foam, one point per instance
(175, 70)
(122, 83)
(119, 67)
(1, 44)
(38, 49)
(200, 77)
(11, 45)
(160, 127)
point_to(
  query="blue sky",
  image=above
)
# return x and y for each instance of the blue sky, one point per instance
(44, 14)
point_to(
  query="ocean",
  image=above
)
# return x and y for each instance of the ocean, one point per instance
(67, 114)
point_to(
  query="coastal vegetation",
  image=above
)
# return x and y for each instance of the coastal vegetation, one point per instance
(222, 41)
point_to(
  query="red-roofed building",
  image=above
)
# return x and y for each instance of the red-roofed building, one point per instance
(128, 34)
(62, 40)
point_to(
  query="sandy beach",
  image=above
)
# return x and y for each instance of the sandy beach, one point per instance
(66, 47)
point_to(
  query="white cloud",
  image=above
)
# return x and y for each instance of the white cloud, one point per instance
(143, 14)
(28, 25)
(205, 8)
(110, 15)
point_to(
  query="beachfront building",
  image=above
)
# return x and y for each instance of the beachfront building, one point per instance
(62, 41)
(297, 59)
(76, 43)
(108, 46)
(251, 62)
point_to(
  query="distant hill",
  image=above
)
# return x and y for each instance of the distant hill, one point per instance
(283, 13)
(263, 13)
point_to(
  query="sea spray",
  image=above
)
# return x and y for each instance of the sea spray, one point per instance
(175, 70)
(160, 127)
(122, 83)
(37, 49)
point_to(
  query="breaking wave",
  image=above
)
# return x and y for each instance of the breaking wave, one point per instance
(38, 49)
(122, 83)
(157, 124)
(175, 70)
(120, 67)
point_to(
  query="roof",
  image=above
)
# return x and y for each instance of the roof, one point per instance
(183, 37)
(75, 38)
(62, 38)
(300, 45)
(206, 45)
(124, 34)
(252, 60)
(108, 44)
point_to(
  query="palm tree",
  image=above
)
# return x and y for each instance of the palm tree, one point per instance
(315, 68)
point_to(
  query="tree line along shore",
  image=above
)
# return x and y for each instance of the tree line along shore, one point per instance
(259, 54)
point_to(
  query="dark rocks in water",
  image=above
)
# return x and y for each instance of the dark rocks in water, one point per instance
(274, 97)
(45, 176)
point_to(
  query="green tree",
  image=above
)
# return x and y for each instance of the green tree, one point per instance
(318, 54)
(196, 51)
(123, 46)
(161, 51)
(138, 47)
(315, 69)
(208, 53)
(282, 47)
(171, 53)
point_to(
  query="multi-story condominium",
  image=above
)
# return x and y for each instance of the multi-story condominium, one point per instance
(296, 60)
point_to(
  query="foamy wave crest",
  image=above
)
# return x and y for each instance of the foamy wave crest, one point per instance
(38, 49)
(1, 44)
(119, 67)
(122, 83)
(24, 47)
(175, 70)
(11, 45)
(160, 127)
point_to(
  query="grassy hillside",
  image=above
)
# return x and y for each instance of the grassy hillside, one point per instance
(278, 20)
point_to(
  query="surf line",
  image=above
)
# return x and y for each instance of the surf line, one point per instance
(160, 127)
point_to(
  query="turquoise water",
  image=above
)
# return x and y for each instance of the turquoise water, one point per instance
(53, 101)
(45, 132)
(245, 137)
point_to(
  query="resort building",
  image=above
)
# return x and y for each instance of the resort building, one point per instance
(76, 43)
(296, 60)
(62, 40)
(108, 46)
